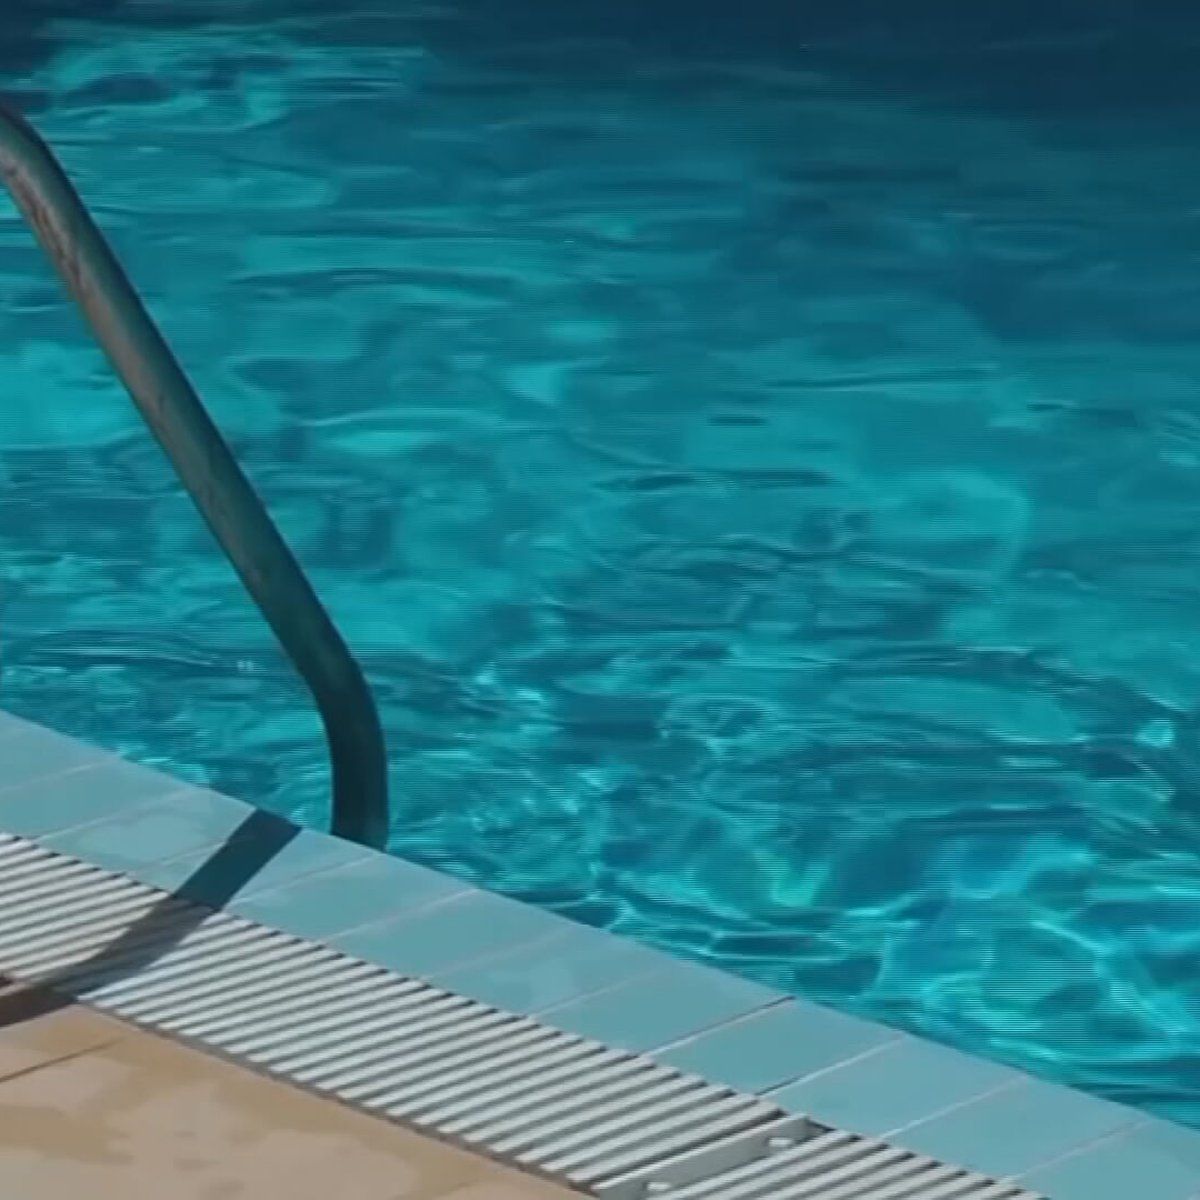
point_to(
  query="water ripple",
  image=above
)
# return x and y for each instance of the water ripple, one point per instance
(760, 492)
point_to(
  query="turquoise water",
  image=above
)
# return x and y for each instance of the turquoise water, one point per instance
(759, 476)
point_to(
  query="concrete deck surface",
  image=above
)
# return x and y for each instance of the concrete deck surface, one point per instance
(95, 1108)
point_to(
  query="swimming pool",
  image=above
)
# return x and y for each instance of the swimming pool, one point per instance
(757, 479)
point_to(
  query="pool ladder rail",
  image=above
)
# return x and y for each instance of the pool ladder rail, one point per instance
(209, 472)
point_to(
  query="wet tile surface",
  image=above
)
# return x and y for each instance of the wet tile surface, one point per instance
(332, 902)
(114, 1114)
(652, 1011)
(780, 1043)
(562, 968)
(275, 856)
(1017, 1128)
(29, 752)
(904, 1081)
(161, 830)
(453, 932)
(218, 851)
(55, 802)
(1156, 1159)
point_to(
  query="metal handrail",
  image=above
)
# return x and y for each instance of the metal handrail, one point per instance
(177, 418)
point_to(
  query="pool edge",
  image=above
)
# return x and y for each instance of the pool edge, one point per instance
(803, 1058)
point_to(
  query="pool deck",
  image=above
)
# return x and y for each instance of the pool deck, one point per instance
(571, 1055)
(91, 1106)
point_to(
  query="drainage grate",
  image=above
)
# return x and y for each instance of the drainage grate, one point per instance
(608, 1123)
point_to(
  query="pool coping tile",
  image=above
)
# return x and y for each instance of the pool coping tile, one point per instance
(84, 795)
(565, 966)
(1017, 1128)
(453, 931)
(653, 1011)
(1155, 1158)
(30, 754)
(278, 855)
(331, 904)
(856, 1075)
(895, 1084)
(777, 1045)
(145, 840)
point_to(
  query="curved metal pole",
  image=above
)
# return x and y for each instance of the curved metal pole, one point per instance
(210, 474)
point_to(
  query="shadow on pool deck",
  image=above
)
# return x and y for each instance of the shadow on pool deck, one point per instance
(250, 847)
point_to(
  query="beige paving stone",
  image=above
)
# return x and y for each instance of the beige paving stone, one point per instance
(101, 1110)
(36, 1029)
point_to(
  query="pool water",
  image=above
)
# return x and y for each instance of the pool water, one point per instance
(756, 458)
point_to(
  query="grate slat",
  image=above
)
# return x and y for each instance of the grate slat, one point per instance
(616, 1125)
(666, 1138)
(459, 1094)
(216, 1001)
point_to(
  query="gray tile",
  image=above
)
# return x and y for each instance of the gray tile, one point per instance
(272, 855)
(653, 1011)
(210, 872)
(1156, 1160)
(781, 1043)
(903, 1082)
(11, 725)
(572, 964)
(463, 928)
(368, 889)
(158, 830)
(29, 752)
(82, 796)
(1017, 1129)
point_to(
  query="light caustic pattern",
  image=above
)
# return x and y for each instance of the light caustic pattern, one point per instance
(762, 494)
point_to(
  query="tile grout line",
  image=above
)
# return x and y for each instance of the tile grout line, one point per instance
(420, 909)
(50, 776)
(108, 817)
(399, 918)
(602, 990)
(1113, 1135)
(343, 1063)
(862, 1056)
(301, 876)
(234, 839)
(1136, 1118)
(729, 1022)
(958, 1106)
(106, 763)
(444, 976)
(1135, 1122)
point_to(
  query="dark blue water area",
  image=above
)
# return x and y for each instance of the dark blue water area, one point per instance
(753, 449)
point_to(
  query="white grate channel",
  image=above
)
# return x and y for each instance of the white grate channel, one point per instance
(605, 1122)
